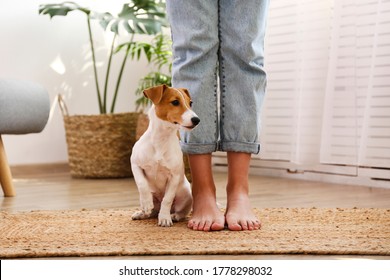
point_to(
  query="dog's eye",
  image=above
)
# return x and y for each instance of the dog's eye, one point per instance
(175, 103)
(190, 103)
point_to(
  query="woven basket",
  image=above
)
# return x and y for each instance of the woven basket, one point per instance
(142, 125)
(99, 146)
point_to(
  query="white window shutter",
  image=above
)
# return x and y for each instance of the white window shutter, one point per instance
(327, 107)
(297, 47)
(356, 127)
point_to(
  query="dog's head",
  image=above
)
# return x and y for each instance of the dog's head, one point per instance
(173, 105)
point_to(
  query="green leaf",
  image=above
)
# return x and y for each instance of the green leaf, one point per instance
(61, 9)
(141, 17)
(128, 28)
(148, 53)
(103, 18)
(123, 46)
(115, 27)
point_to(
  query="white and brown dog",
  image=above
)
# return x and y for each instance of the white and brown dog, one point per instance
(157, 159)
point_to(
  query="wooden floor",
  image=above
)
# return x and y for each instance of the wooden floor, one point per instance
(49, 187)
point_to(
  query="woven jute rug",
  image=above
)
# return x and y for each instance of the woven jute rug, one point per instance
(113, 233)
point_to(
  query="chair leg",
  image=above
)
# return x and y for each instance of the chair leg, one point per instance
(5, 173)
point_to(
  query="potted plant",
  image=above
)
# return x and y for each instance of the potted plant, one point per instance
(99, 146)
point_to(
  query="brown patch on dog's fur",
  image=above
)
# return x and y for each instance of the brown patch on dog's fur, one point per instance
(164, 98)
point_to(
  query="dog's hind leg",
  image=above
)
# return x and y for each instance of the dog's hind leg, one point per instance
(182, 209)
(183, 202)
(140, 215)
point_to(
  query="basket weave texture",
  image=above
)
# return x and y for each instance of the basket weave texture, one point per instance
(99, 146)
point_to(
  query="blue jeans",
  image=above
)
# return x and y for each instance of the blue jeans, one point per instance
(218, 47)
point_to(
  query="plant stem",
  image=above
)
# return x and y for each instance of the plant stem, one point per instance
(121, 73)
(94, 65)
(108, 75)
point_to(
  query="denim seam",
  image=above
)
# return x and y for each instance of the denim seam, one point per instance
(216, 120)
(221, 75)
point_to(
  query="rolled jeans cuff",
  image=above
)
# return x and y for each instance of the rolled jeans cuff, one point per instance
(241, 147)
(198, 148)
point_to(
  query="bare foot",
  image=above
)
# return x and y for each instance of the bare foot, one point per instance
(206, 216)
(239, 214)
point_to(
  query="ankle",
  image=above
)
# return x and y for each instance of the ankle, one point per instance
(237, 190)
(203, 189)
(207, 196)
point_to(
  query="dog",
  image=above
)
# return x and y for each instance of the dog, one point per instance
(157, 160)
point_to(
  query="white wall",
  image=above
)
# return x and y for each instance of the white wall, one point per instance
(56, 54)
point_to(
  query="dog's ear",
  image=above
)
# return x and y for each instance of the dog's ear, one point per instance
(185, 91)
(155, 93)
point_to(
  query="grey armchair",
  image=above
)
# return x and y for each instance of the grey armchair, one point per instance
(24, 108)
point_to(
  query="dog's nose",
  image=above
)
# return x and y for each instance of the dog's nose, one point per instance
(195, 120)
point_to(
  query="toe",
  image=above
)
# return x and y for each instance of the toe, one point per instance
(234, 226)
(251, 225)
(207, 226)
(191, 224)
(201, 225)
(244, 225)
(217, 226)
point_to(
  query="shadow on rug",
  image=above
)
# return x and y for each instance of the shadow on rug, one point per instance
(113, 233)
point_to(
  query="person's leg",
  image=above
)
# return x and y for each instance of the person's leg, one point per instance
(194, 27)
(206, 215)
(242, 75)
(243, 82)
(239, 214)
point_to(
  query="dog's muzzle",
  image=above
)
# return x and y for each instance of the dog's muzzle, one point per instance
(194, 122)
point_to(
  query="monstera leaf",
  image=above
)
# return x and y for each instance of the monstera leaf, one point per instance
(139, 17)
(136, 16)
(61, 9)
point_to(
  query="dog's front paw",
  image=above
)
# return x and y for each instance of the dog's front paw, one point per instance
(165, 221)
